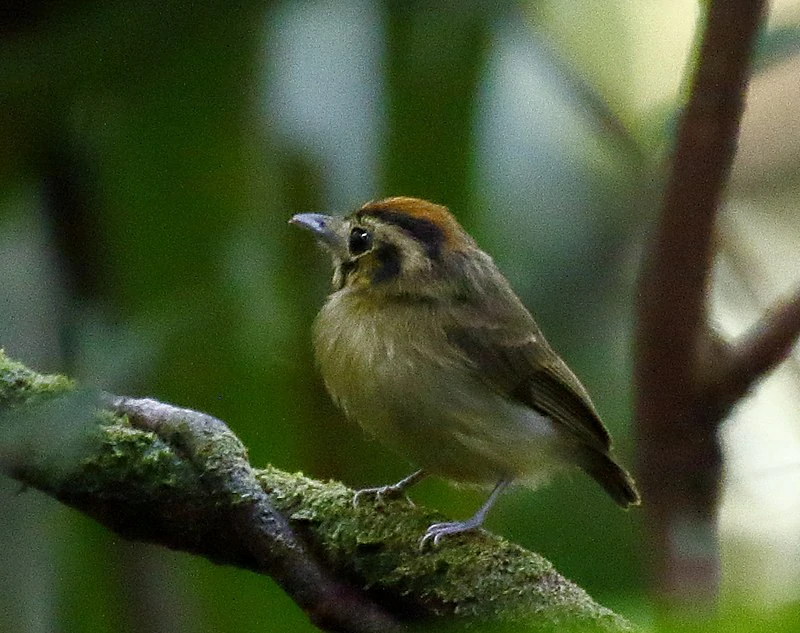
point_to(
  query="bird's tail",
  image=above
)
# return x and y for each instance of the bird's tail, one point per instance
(611, 476)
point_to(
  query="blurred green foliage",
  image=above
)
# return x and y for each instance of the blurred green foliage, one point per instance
(138, 142)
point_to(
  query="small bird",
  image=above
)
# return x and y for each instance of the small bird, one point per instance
(424, 343)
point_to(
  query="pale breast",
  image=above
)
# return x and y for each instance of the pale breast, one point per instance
(399, 378)
(372, 358)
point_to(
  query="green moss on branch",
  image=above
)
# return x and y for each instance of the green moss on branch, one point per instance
(160, 477)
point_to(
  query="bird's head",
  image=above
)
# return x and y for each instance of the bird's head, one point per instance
(396, 245)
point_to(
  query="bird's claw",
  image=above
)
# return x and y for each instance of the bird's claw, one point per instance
(437, 531)
(380, 493)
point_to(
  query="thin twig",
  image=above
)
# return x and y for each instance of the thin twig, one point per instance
(767, 344)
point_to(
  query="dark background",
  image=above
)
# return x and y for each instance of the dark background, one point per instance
(151, 154)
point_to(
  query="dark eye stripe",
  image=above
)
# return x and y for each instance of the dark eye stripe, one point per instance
(389, 263)
(424, 231)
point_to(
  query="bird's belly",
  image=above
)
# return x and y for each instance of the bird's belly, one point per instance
(421, 399)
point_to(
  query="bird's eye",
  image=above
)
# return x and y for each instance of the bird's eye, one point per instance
(360, 241)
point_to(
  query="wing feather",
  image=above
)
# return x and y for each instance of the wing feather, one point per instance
(500, 338)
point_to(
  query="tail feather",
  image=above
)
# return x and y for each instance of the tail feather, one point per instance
(612, 477)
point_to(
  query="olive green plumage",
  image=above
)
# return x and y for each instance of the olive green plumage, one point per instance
(424, 344)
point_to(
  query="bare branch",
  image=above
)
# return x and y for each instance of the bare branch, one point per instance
(672, 288)
(766, 345)
(677, 414)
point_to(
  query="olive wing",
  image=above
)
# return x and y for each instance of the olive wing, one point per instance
(511, 355)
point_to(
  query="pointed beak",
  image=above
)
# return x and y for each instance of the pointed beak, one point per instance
(326, 228)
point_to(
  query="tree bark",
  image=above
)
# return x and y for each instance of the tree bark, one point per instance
(688, 378)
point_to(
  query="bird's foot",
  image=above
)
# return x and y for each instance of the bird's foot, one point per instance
(437, 531)
(393, 491)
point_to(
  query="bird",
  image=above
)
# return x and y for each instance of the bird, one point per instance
(423, 342)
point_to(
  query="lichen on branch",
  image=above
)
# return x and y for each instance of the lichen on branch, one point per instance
(158, 473)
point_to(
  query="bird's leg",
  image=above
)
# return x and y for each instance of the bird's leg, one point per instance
(438, 530)
(392, 490)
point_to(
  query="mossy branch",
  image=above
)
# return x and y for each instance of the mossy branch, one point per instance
(157, 473)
